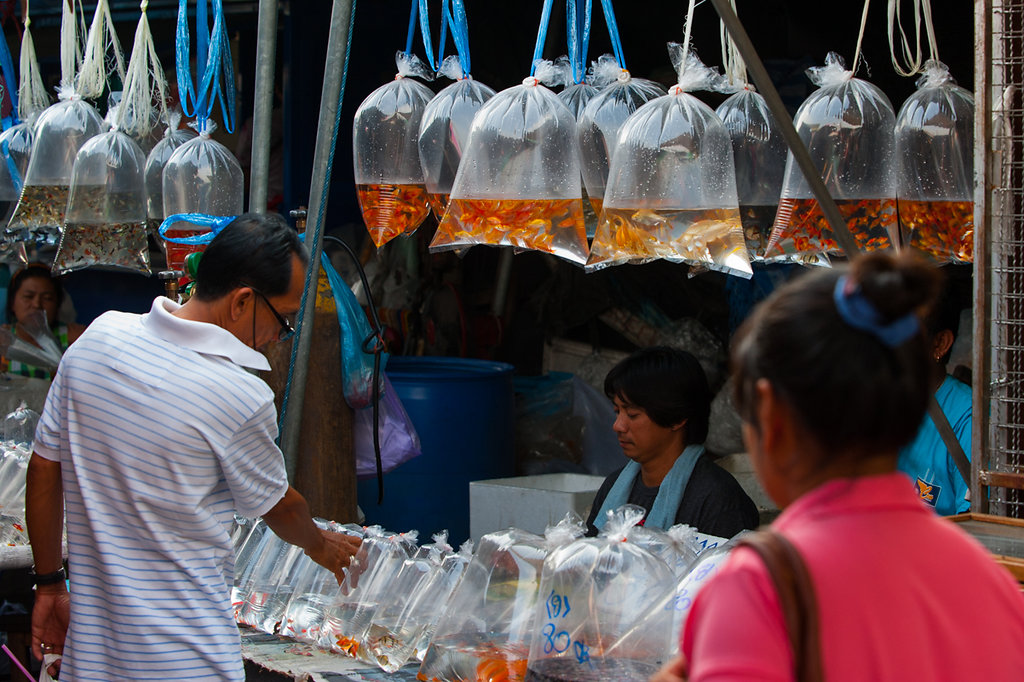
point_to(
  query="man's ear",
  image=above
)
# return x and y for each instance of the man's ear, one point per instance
(676, 427)
(239, 302)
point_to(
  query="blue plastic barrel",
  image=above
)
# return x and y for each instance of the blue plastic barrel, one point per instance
(464, 413)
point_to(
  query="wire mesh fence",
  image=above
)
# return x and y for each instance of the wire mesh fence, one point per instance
(1000, 84)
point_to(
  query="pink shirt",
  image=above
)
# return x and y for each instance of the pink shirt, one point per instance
(902, 593)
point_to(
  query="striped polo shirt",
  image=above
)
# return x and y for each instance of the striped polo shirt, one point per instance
(162, 435)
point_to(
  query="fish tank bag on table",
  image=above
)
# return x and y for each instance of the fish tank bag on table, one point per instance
(759, 155)
(313, 587)
(671, 191)
(935, 168)
(60, 132)
(375, 565)
(593, 616)
(201, 176)
(487, 626)
(105, 220)
(847, 126)
(385, 133)
(401, 627)
(519, 181)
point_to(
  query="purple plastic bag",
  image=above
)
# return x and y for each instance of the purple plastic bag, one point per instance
(399, 441)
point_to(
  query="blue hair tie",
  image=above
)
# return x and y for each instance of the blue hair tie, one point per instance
(858, 312)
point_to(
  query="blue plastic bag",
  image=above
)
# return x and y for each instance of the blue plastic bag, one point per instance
(356, 362)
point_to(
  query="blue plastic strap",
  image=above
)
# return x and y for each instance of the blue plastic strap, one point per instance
(412, 26)
(10, 80)
(613, 32)
(202, 52)
(542, 34)
(197, 102)
(441, 42)
(578, 36)
(460, 32)
(428, 45)
(216, 223)
(12, 167)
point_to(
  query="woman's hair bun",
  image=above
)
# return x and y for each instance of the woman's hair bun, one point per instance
(896, 285)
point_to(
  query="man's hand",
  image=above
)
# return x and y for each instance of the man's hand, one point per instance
(673, 671)
(335, 552)
(50, 617)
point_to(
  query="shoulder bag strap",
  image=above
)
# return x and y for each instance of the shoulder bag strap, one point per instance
(796, 597)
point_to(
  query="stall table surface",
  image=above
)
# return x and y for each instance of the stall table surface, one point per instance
(304, 661)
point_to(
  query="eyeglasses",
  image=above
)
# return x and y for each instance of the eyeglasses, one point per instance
(287, 331)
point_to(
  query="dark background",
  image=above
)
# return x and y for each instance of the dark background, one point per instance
(547, 298)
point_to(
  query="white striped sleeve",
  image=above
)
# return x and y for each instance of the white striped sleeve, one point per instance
(253, 465)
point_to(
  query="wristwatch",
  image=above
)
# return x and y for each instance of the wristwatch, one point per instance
(38, 579)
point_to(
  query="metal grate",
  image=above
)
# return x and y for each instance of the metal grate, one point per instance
(999, 257)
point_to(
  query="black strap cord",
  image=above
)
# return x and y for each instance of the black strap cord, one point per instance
(372, 344)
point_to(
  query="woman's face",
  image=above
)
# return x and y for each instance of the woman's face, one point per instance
(35, 293)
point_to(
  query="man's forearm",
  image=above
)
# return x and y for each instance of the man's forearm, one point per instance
(44, 513)
(290, 519)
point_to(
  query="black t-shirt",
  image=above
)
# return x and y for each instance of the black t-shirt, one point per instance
(713, 502)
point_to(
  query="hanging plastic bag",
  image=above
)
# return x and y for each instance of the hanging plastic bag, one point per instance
(202, 176)
(105, 220)
(62, 129)
(398, 439)
(60, 132)
(202, 180)
(388, 175)
(672, 186)
(375, 565)
(847, 125)
(935, 168)
(487, 626)
(420, 590)
(444, 132)
(173, 138)
(759, 153)
(519, 183)
(601, 119)
(594, 619)
(314, 587)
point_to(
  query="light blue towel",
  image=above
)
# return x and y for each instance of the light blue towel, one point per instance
(670, 493)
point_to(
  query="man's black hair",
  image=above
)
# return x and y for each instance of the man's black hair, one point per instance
(252, 250)
(669, 384)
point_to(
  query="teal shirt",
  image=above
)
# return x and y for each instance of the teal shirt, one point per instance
(927, 461)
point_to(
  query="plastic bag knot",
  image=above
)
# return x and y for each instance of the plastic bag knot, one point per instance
(833, 73)
(410, 65)
(935, 74)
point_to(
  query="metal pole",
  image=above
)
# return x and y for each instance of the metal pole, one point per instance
(782, 117)
(981, 351)
(263, 104)
(338, 43)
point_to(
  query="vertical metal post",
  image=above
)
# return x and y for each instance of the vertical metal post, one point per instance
(263, 104)
(983, 182)
(782, 117)
(338, 44)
